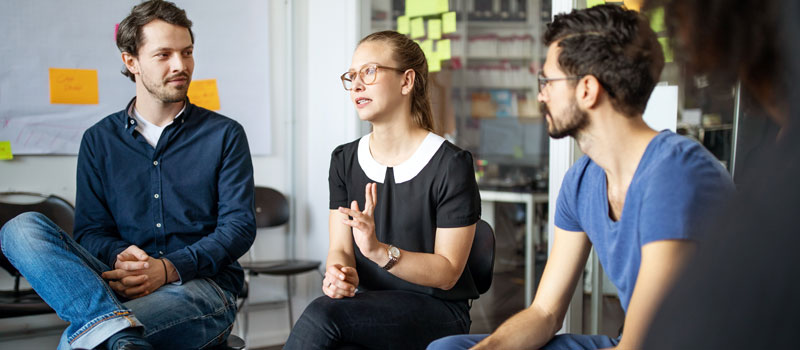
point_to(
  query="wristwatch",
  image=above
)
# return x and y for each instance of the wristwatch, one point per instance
(394, 255)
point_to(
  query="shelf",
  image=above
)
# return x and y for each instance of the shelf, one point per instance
(522, 25)
(496, 87)
(498, 58)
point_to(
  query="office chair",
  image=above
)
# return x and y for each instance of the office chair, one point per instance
(480, 264)
(272, 210)
(25, 302)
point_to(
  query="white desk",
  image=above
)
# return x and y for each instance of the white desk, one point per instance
(532, 227)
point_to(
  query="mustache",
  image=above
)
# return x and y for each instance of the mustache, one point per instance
(179, 75)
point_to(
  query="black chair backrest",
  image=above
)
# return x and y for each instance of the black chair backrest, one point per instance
(57, 209)
(481, 257)
(272, 208)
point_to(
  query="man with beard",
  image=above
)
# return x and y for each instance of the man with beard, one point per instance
(164, 208)
(638, 195)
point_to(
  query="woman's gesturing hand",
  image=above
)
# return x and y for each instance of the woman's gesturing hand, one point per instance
(363, 222)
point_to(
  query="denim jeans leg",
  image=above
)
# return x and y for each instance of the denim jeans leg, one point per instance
(67, 277)
(457, 342)
(197, 314)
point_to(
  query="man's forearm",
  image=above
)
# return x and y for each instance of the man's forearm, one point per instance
(528, 329)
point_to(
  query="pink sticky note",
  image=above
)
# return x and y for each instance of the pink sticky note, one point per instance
(116, 29)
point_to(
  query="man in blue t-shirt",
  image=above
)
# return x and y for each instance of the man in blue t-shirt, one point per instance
(638, 196)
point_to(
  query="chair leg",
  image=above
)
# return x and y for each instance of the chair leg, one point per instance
(289, 300)
(244, 314)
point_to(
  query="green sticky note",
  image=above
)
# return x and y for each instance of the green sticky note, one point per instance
(5, 150)
(434, 64)
(427, 48)
(402, 25)
(593, 3)
(667, 49)
(443, 49)
(657, 19)
(435, 29)
(417, 27)
(449, 22)
(416, 8)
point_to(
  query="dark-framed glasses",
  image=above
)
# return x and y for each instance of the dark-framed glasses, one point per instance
(543, 81)
(368, 74)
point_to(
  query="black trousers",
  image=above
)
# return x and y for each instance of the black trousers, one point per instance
(378, 320)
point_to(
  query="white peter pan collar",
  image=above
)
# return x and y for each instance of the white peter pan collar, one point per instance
(404, 171)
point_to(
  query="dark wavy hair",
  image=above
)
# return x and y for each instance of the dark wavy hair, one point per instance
(409, 55)
(129, 33)
(616, 46)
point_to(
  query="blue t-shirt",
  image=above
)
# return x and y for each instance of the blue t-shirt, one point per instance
(677, 185)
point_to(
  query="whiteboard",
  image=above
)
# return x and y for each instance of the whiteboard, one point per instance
(231, 46)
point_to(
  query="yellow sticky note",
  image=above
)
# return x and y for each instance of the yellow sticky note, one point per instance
(449, 22)
(73, 86)
(204, 94)
(427, 48)
(434, 29)
(635, 5)
(416, 8)
(667, 49)
(657, 19)
(417, 27)
(402, 25)
(5, 150)
(593, 3)
(443, 49)
(434, 64)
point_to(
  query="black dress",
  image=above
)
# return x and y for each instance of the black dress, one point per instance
(434, 188)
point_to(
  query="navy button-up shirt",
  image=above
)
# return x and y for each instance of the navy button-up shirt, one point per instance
(189, 199)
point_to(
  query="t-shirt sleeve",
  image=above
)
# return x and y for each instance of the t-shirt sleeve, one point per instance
(336, 180)
(566, 217)
(459, 200)
(683, 196)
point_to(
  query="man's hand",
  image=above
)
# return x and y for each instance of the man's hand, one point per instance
(137, 283)
(131, 259)
(135, 273)
(340, 281)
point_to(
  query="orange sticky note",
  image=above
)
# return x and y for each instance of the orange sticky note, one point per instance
(5, 150)
(73, 86)
(204, 94)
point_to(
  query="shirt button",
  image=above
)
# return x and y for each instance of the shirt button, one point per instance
(155, 162)
(132, 121)
(161, 252)
(155, 196)
(158, 224)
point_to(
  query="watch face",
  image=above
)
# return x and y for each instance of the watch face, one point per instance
(394, 252)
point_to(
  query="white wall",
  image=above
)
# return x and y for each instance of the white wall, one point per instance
(312, 42)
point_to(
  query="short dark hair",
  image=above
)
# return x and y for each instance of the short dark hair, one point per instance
(616, 46)
(129, 33)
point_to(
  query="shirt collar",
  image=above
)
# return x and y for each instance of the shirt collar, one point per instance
(130, 120)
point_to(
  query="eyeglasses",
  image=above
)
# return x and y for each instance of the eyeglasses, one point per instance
(544, 81)
(368, 74)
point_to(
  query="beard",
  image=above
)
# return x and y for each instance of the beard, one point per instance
(576, 121)
(166, 93)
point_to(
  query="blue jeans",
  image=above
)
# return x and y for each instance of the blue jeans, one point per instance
(559, 342)
(196, 314)
(389, 319)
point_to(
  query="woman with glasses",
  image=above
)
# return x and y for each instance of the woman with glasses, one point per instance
(403, 209)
